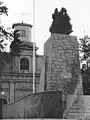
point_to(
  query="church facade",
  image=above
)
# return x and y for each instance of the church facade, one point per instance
(16, 75)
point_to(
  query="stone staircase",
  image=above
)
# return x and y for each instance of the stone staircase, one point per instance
(80, 108)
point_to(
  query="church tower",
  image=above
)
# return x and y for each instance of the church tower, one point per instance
(24, 35)
(25, 31)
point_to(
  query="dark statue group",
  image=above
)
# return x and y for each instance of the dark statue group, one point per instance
(61, 22)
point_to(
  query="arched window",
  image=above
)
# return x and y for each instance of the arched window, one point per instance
(24, 64)
(23, 34)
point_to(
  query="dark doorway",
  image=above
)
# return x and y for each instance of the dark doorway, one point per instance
(3, 102)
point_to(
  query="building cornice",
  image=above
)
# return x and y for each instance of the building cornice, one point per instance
(19, 74)
(22, 24)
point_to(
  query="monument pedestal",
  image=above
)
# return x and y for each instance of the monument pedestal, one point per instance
(63, 66)
(62, 69)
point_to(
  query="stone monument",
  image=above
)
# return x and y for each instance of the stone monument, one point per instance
(63, 66)
(61, 61)
(61, 56)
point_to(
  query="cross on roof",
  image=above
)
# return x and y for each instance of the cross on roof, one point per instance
(23, 14)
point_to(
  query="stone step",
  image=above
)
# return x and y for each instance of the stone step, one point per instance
(80, 111)
(76, 112)
(74, 116)
(81, 108)
(78, 108)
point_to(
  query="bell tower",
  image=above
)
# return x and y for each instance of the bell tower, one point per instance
(24, 35)
(25, 31)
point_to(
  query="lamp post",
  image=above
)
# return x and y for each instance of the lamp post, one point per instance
(33, 46)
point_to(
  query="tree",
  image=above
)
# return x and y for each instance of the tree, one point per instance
(3, 9)
(84, 48)
(9, 36)
(4, 34)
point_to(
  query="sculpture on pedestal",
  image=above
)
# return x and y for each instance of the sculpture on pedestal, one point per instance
(61, 22)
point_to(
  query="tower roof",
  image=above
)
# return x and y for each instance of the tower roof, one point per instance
(21, 24)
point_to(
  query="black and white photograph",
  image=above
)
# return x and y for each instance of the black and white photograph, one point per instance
(45, 59)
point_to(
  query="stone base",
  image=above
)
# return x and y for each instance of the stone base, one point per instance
(63, 66)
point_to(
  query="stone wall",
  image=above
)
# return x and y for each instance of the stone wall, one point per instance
(38, 105)
(63, 66)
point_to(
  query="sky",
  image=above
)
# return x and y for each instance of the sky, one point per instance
(22, 10)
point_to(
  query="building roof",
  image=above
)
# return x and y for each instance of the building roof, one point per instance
(29, 44)
(21, 24)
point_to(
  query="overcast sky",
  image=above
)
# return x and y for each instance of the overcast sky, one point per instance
(22, 10)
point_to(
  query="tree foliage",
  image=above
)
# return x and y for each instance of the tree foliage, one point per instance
(7, 35)
(84, 48)
(4, 33)
(3, 9)
(15, 45)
